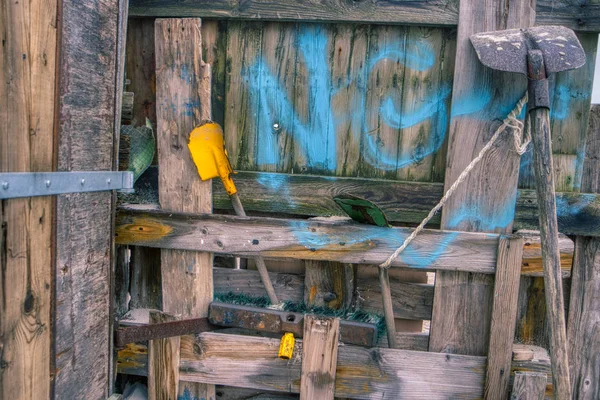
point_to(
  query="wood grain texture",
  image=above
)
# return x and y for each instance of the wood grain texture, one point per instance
(576, 16)
(504, 317)
(584, 317)
(553, 289)
(86, 113)
(163, 362)
(344, 241)
(361, 372)
(133, 360)
(329, 284)
(529, 386)
(140, 68)
(402, 202)
(27, 102)
(479, 203)
(183, 87)
(319, 357)
(145, 281)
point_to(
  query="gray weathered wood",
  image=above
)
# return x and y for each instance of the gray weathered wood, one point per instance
(528, 386)
(577, 16)
(388, 310)
(86, 114)
(311, 240)
(361, 372)
(542, 155)
(405, 202)
(584, 315)
(145, 281)
(504, 317)
(183, 101)
(163, 362)
(319, 357)
(343, 241)
(329, 284)
(27, 105)
(479, 202)
(121, 278)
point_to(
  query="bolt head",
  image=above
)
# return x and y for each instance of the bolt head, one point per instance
(82, 182)
(48, 183)
(5, 185)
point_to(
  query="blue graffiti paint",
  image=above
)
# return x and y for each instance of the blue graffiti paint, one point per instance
(277, 184)
(187, 395)
(418, 257)
(189, 107)
(566, 209)
(500, 217)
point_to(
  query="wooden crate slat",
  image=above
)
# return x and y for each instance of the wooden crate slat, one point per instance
(307, 239)
(183, 86)
(583, 17)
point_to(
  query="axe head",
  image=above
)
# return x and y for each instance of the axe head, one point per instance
(507, 50)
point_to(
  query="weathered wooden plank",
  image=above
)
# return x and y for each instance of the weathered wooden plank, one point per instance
(121, 279)
(319, 357)
(480, 203)
(579, 16)
(324, 240)
(361, 372)
(584, 315)
(86, 112)
(404, 202)
(244, 41)
(214, 42)
(163, 362)
(328, 284)
(145, 282)
(183, 84)
(348, 75)
(133, 360)
(140, 68)
(27, 103)
(529, 386)
(504, 317)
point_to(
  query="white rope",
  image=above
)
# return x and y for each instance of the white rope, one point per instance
(510, 122)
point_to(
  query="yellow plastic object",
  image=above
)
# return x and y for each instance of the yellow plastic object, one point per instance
(208, 152)
(286, 347)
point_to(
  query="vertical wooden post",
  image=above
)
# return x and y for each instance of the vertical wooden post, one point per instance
(163, 362)
(183, 102)
(583, 334)
(328, 284)
(319, 357)
(529, 386)
(504, 317)
(86, 135)
(481, 203)
(27, 103)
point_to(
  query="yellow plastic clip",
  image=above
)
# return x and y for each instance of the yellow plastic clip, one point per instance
(208, 152)
(286, 347)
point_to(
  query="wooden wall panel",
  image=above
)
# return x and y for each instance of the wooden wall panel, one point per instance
(86, 137)
(27, 100)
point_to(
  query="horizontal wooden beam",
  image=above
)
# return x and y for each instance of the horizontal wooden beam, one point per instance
(402, 202)
(327, 239)
(361, 372)
(581, 16)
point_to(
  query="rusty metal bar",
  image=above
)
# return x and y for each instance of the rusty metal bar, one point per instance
(131, 334)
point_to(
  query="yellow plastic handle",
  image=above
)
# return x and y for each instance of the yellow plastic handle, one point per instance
(208, 152)
(286, 347)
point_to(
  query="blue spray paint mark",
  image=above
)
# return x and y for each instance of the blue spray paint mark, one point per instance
(500, 218)
(189, 107)
(566, 209)
(421, 257)
(277, 184)
(185, 74)
(187, 395)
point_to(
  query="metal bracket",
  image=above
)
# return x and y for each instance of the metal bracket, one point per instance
(30, 184)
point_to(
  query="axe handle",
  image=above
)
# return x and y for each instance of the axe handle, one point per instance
(555, 310)
(260, 262)
(544, 182)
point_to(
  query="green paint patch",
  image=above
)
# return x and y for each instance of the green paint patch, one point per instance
(362, 210)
